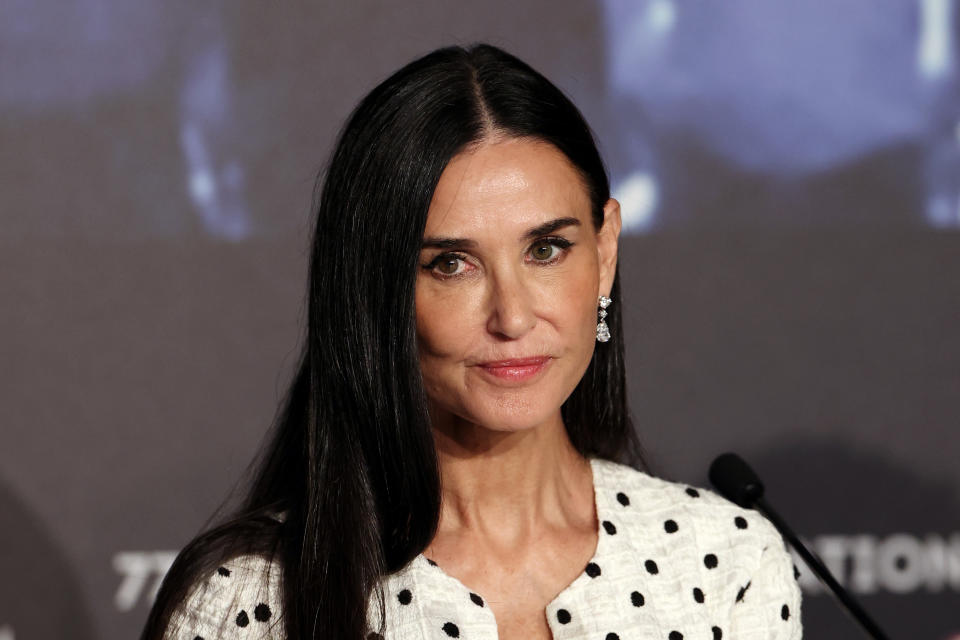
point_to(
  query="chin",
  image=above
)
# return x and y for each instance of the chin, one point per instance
(514, 414)
(502, 409)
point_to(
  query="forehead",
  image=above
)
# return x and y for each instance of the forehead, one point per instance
(505, 184)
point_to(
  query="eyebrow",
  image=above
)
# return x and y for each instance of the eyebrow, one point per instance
(435, 242)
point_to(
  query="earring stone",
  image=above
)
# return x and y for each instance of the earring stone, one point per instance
(603, 331)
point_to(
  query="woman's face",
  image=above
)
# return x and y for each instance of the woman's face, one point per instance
(506, 293)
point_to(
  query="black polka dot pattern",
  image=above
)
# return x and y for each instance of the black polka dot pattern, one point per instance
(627, 535)
(262, 613)
(242, 619)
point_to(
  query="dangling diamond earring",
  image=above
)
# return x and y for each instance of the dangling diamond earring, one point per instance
(603, 331)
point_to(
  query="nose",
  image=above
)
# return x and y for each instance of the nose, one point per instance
(511, 307)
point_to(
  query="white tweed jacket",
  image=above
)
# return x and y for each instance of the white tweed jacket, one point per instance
(672, 562)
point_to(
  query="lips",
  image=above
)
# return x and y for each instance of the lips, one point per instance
(516, 369)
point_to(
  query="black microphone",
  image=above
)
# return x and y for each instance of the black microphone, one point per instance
(737, 482)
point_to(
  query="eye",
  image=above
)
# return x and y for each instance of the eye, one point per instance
(447, 265)
(549, 250)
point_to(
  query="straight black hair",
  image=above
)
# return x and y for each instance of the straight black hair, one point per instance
(348, 488)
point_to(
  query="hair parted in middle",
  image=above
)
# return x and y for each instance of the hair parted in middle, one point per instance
(351, 461)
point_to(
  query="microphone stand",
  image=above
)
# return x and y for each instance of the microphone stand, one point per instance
(849, 604)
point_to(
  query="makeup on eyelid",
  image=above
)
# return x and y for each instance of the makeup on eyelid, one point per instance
(562, 244)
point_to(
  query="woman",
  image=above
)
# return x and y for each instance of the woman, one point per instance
(454, 457)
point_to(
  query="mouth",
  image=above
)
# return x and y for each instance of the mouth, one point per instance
(516, 370)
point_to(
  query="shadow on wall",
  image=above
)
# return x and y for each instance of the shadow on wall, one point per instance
(40, 597)
(888, 533)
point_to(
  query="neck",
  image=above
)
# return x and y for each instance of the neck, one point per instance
(501, 489)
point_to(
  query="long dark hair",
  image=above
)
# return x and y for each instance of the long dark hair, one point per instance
(351, 462)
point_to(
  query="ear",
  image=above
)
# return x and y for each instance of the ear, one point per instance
(607, 238)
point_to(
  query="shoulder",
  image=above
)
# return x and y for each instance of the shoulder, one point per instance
(656, 495)
(734, 555)
(690, 518)
(241, 598)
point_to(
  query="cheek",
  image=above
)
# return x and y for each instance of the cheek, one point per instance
(572, 304)
(446, 332)
(443, 323)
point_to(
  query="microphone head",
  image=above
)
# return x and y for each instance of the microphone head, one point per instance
(735, 480)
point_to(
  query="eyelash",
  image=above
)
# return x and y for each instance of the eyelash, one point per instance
(562, 243)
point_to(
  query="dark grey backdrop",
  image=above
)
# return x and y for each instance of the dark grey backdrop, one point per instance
(791, 179)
